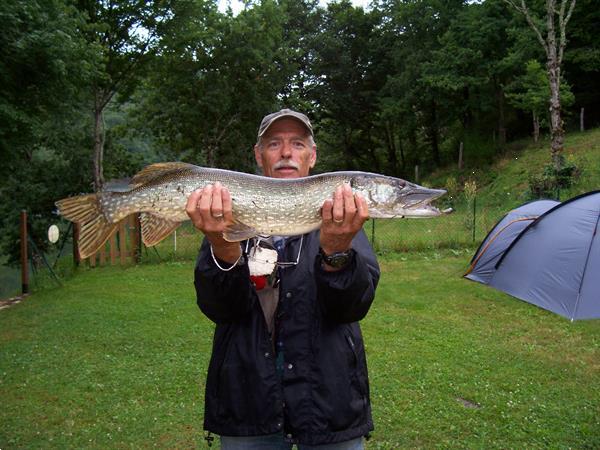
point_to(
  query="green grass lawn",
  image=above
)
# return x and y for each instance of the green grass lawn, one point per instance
(116, 358)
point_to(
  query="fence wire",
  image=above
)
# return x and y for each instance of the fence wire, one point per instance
(467, 226)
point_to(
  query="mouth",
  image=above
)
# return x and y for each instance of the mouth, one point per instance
(286, 170)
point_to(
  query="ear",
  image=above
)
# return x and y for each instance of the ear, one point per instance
(313, 156)
(258, 156)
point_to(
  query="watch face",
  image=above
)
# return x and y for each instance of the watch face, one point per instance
(337, 260)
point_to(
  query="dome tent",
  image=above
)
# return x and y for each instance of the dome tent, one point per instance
(501, 236)
(552, 262)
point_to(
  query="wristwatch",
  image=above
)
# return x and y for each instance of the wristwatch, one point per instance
(337, 259)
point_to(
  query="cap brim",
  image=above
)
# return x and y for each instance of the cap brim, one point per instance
(290, 115)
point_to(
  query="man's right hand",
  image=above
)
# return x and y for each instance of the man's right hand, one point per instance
(210, 211)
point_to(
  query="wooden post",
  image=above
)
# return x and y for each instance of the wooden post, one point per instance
(474, 215)
(113, 249)
(581, 123)
(373, 233)
(102, 258)
(76, 231)
(460, 156)
(122, 242)
(137, 241)
(24, 255)
(417, 173)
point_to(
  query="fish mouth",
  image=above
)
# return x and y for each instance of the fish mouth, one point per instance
(417, 203)
(421, 197)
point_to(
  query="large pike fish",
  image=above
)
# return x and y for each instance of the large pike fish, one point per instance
(261, 205)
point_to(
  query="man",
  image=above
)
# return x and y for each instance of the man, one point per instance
(288, 364)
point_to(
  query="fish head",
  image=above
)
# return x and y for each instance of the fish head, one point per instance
(390, 197)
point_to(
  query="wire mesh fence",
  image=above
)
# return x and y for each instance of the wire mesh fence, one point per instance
(466, 227)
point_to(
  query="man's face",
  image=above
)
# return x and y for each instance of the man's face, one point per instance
(286, 150)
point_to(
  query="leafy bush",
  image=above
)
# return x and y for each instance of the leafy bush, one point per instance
(549, 183)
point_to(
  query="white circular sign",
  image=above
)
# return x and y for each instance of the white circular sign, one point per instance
(53, 234)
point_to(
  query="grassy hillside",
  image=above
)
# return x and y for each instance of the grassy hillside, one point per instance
(503, 185)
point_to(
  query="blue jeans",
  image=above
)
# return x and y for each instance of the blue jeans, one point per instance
(276, 442)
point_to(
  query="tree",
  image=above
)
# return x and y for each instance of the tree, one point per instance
(530, 92)
(214, 78)
(411, 32)
(345, 86)
(123, 33)
(554, 48)
(45, 65)
(474, 62)
(582, 61)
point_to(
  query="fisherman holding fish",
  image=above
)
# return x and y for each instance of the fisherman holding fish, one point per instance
(285, 271)
(288, 363)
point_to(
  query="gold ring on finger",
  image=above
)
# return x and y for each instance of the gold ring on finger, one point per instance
(338, 221)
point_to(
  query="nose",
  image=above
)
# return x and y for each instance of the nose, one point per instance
(286, 150)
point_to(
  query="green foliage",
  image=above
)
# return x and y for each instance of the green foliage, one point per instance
(43, 63)
(551, 181)
(216, 77)
(531, 91)
(47, 177)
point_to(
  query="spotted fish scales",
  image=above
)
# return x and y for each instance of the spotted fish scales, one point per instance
(261, 205)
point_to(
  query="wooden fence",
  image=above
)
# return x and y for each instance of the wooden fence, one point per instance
(122, 247)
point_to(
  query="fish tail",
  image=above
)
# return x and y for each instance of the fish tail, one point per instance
(86, 210)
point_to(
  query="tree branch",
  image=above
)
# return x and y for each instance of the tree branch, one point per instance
(523, 10)
(562, 21)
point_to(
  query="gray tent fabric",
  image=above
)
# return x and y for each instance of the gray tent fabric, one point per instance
(554, 262)
(502, 235)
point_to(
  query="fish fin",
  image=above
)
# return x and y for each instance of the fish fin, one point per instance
(94, 234)
(154, 171)
(239, 232)
(80, 209)
(155, 229)
(86, 210)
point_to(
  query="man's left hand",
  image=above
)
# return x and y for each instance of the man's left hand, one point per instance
(343, 217)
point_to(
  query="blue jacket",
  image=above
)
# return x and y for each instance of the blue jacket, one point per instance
(322, 396)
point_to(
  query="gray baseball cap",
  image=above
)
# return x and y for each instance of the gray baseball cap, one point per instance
(268, 120)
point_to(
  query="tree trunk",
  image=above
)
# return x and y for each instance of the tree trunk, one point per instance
(98, 147)
(536, 127)
(501, 120)
(581, 121)
(433, 135)
(402, 156)
(391, 149)
(556, 123)
(554, 55)
(412, 141)
(210, 155)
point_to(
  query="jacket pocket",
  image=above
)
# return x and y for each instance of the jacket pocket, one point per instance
(356, 369)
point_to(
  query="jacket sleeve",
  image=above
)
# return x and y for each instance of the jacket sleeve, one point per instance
(222, 296)
(346, 295)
